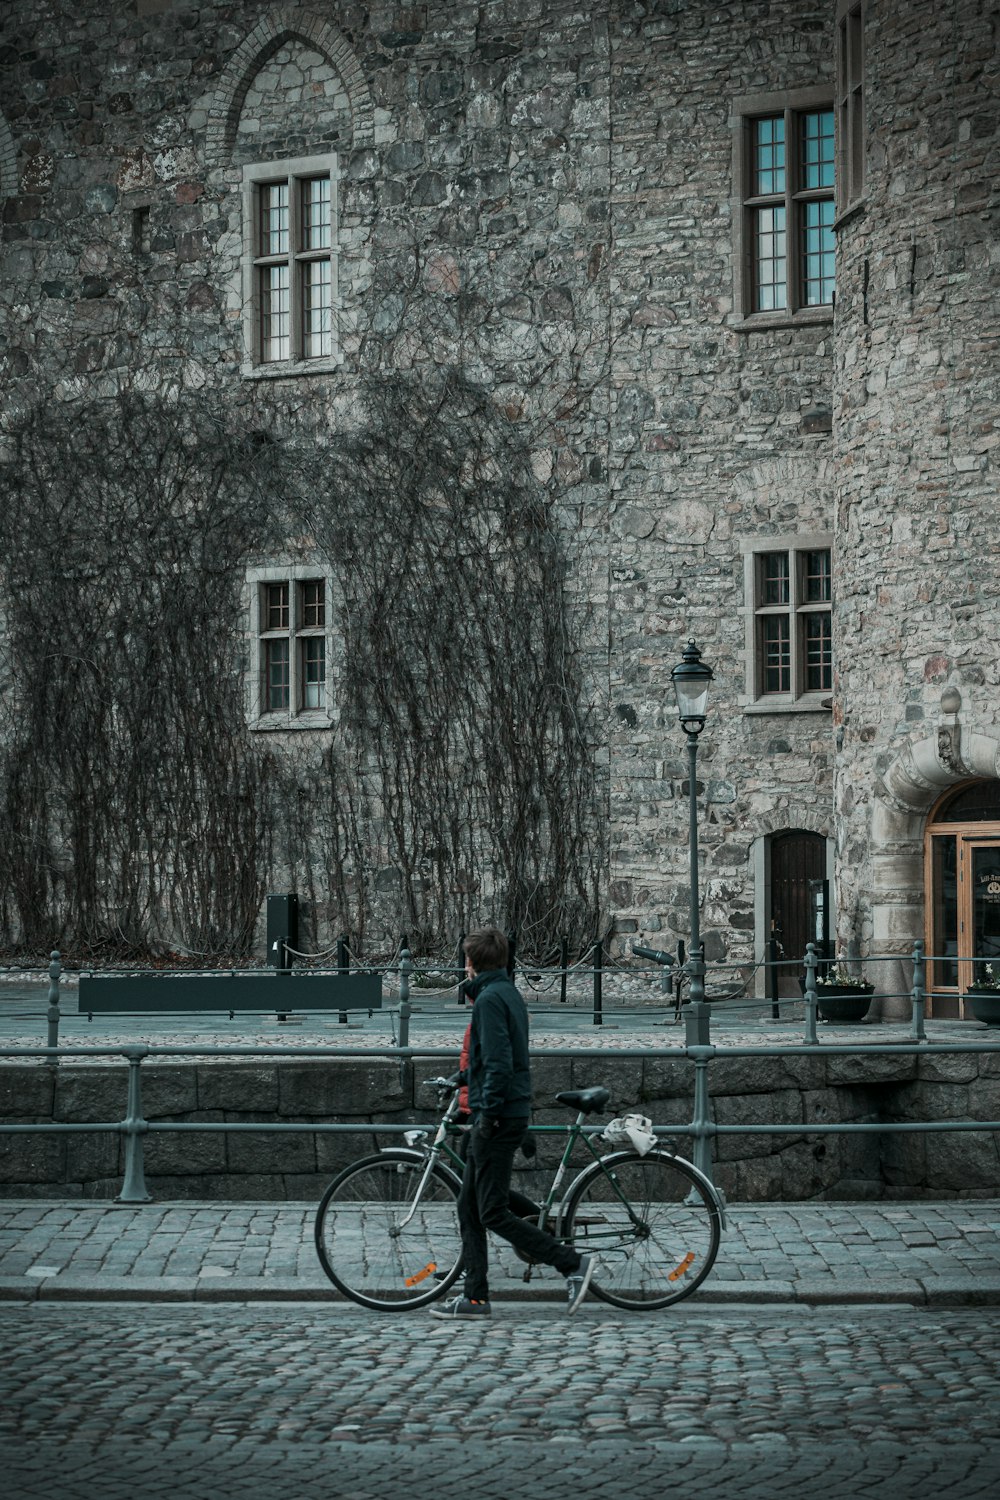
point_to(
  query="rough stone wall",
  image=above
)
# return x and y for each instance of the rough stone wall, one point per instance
(257, 1165)
(577, 165)
(711, 444)
(470, 156)
(916, 395)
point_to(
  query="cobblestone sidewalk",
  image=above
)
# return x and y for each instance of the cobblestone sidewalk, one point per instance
(919, 1253)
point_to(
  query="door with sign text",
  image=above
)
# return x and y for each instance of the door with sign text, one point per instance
(984, 923)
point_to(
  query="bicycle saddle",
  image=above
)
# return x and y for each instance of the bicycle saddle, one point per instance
(589, 1101)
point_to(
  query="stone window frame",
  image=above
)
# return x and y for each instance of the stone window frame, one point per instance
(798, 699)
(849, 103)
(744, 111)
(297, 632)
(255, 176)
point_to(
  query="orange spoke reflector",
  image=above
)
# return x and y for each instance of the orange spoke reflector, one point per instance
(679, 1271)
(421, 1275)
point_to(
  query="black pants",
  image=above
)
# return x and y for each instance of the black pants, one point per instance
(484, 1204)
(524, 1207)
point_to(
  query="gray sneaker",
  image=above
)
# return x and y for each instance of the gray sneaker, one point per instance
(578, 1281)
(461, 1307)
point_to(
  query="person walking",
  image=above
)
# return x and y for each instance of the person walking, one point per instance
(499, 1083)
(525, 1208)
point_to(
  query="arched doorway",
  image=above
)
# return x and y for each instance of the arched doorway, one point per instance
(962, 874)
(798, 881)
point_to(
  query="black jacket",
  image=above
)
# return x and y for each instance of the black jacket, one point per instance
(499, 1070)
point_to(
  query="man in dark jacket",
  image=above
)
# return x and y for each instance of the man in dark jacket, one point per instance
(499, 1080)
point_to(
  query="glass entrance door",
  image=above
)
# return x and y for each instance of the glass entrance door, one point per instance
(984, 924)
(962, 870)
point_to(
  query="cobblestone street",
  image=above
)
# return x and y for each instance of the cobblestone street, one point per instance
(146, 1401)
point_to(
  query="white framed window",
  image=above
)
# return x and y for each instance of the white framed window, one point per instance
(291, 648)
(290, 256)
(789, 611)
(850, 104)
(784, 207)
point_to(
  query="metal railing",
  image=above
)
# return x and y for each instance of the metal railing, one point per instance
(702, 1130)
(698, 1050)
(670, 973)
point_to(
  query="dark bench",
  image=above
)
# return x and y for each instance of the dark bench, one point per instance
(234, 990)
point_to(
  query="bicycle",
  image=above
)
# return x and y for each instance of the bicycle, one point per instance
(387, 1230)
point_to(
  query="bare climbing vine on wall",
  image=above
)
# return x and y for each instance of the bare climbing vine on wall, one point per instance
(458, 782)
(461, 783)
(132, 806)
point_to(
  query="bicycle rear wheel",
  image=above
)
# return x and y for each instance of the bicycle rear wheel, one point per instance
(653, 1224)
(385, 1241)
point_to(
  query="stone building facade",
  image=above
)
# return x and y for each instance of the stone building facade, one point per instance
(762, 236)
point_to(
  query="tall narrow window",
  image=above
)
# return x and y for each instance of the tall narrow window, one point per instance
(790, 641)
(784, 164)
(290, 263)
(276, 659)
(850, 103)
(312, 644)
(292, 649)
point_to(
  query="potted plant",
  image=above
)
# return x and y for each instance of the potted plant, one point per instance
(841, 996)
(983, 996)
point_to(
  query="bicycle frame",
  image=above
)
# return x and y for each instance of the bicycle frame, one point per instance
(439, 1147)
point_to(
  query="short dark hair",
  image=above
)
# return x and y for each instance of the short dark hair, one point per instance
(486, 948)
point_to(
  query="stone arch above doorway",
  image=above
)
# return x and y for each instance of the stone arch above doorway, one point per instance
(918, 777)
(285, 23)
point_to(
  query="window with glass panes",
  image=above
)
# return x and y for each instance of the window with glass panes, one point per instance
(850, 102)
(293, 659)
(291, 221)
(788, 207)
(793, 622)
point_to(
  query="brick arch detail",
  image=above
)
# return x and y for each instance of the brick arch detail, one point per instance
(282, 24)
(804, 821)
(8, 161)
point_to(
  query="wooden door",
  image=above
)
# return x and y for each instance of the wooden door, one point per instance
(797, 858)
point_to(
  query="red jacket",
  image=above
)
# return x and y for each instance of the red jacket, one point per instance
(463, 1063)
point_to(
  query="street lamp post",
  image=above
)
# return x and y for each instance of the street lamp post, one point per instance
(691, 678)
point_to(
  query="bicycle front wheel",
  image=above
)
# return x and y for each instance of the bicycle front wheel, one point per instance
(387, 1231)
(653, 1224)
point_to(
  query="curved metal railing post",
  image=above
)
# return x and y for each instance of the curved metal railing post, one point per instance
(52, 1014)
(598, 973)
(919, 993)
(405, 1008)
(134, 1128)
(702, 1128)
(812, 1003)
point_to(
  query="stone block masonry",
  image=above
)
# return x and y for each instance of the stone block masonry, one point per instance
(559, 192)
(368, 1093)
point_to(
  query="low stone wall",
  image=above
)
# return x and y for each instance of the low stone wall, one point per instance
(252, 1165)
